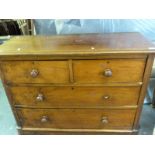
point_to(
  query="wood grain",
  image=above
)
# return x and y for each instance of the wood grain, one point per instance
(77, 118)
(77, 44)
(49, 71)
(51, 131)
(142, 94)
(69, 71)
(92, 71)
(70, 65)
(75, 96)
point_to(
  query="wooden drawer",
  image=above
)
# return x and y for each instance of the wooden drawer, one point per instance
(36, 71)
(77, 118)
(75, 96)
(112, 70)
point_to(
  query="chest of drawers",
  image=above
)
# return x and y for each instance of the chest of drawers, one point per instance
(77, 84)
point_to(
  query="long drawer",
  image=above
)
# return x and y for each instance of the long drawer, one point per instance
(36, 71)
(106, 71)
(77, 118)
(74, 96)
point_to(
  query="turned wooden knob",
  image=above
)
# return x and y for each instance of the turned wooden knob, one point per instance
(40, 97)
(104, 120)
(108, 73)
(34, 73)
(44, 119)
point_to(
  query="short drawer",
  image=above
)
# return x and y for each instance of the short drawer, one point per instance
(36, 71)
(77, 118)
(112, 70)
(74, 96)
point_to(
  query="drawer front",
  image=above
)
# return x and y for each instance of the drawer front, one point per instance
(113, 70)
(36, 71)
(77, 118)
(75, 96)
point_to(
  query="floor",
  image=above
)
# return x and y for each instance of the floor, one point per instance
(7, 121)
(8, 124)
(147, 120)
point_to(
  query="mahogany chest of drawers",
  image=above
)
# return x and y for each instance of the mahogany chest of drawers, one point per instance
(77, 84)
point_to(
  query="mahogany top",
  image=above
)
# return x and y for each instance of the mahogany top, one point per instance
(77, 44)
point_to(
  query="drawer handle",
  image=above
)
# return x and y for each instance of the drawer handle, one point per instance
(104, 120)
(108, 73)
(106, 97)
(40, 97)
(44, 119)
(34, 73)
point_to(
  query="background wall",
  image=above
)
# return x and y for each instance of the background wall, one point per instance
(74, 26)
